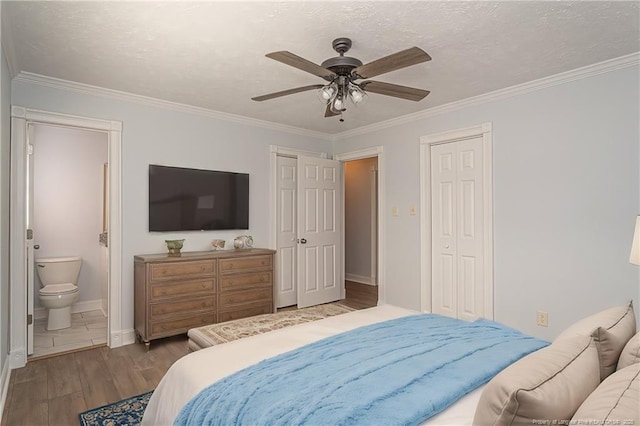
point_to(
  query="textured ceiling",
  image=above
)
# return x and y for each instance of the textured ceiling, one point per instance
(211, 54)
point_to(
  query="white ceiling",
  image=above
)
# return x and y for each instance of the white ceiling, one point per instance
(211, 54)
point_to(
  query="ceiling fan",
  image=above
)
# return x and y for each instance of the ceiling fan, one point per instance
(341, 73)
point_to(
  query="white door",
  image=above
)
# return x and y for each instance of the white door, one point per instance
(286, 245)
(29, 241)
(457, 229)
(319, 231)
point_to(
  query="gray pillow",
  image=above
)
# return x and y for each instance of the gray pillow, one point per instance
(611, 329)
(614, 402)
(549, 384)
(630, 353)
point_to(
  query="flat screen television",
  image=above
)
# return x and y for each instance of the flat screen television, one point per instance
(182, 199)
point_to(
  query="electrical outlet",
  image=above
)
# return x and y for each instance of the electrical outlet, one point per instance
(542, 318)
(395, 211)
(412, 210)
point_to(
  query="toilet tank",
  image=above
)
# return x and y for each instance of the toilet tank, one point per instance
(58, 270)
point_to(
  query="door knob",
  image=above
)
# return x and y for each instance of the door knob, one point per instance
(36, 247)
(446, 246)
(303, 241)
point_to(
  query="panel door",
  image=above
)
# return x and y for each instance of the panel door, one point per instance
(469, 245)
(444, 230)
(319, 231)
(457, 229)
(286, 204)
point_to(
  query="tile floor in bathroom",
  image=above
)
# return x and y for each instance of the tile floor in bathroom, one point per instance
(87, 329)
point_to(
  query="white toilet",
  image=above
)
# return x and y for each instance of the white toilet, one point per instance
(59, 279)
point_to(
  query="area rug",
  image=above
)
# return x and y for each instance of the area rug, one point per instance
(214, 334)
(127, 412)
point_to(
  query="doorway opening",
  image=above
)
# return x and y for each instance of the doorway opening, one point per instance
(361, 232)
(68, 208)
(22, 247)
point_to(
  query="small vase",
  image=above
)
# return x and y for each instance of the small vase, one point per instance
(174, 246)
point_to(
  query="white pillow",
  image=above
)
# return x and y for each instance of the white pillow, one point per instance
(614, 402)
(630, 353)
(549, 384)
(611, 329)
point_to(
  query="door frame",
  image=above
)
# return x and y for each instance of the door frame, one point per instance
(378, 152)
(20, 117)
(485, 131)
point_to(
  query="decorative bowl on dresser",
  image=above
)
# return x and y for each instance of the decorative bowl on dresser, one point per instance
(174, 294)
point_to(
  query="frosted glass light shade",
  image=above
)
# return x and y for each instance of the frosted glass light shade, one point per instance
(635, 246)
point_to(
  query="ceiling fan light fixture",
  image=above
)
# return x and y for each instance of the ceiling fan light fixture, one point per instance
(327, 92)
(338, 104)
(356, 94)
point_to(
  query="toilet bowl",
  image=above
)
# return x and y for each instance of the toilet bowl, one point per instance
(58, 278)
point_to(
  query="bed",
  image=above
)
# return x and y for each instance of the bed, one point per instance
(193, 373)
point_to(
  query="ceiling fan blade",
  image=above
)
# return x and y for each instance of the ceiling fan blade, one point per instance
(302, 64)
(398, 60)
(395, 90)
(287, 92)
(329, 113)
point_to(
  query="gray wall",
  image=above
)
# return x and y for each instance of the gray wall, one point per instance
(358, 218)
(566, 167)
(154, 135)
(67, 205)
(566, 188)
(5, 161)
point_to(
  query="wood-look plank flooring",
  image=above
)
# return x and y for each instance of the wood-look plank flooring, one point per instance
(53, 391)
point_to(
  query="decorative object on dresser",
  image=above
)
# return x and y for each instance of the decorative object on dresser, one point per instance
(218, 244)
(174, 246)
(243, 242)
(174, 294)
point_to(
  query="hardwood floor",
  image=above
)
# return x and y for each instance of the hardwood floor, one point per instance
(53, 391)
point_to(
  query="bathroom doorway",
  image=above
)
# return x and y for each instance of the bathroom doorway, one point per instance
(67, 196)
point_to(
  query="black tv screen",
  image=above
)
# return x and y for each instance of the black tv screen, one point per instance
(182, 199)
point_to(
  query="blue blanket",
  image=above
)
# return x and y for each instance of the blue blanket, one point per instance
(398, 372)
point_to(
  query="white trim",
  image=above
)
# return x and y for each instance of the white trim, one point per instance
(76, 308)
(519, 89)
(360, 279)
(19, 121)
(376, 151)
(127, 337)
(5, 378)
(484, 130)
(87, 89)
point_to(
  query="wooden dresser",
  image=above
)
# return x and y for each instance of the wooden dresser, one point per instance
(175, 293)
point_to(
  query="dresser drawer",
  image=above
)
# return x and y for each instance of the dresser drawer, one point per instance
(240, 263)
(246, 312)
(231, 282)
(161, 290)
(257, 295)
(204, 303)
(181, 325)
(182, 269)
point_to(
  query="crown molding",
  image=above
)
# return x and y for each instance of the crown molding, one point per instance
(520, 89)
(71, 86)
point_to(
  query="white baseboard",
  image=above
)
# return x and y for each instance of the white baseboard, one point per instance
(4, 385)
(76, 308)
(359, 279)
(122, 338)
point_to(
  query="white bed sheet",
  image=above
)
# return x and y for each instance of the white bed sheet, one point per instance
(192, 373)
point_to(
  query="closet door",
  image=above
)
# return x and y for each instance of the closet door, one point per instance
(457, 229)
(286, 193)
